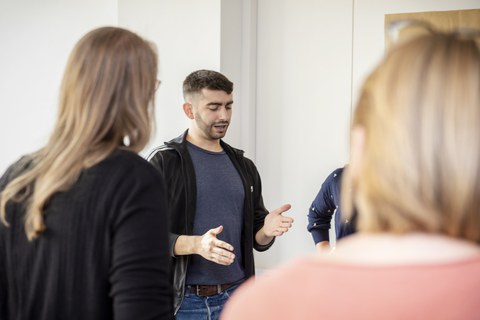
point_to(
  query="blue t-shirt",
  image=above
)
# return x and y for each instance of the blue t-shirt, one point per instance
(220, 201)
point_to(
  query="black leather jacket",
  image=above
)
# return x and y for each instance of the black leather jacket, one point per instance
(175, 163)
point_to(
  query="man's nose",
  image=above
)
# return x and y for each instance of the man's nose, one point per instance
(223, 113)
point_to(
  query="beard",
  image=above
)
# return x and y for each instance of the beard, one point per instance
(218, 130)
(212, 130)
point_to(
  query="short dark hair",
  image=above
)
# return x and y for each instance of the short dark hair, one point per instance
(206, 79)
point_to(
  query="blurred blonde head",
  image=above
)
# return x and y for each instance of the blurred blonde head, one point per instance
(415, 163)
(106, 102)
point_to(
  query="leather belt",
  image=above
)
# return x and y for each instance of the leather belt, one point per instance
(208, 290)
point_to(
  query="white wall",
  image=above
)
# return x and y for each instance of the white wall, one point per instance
(369, 28)
(239, 61)
(36, 38)
(303, 107)
(187, 34)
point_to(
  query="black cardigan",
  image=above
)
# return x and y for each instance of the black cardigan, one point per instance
(104, 254)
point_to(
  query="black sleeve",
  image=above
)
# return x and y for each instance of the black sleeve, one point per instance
(259, 210)
(157, 160)
(3, 281)
(14, 170)
(140, 270)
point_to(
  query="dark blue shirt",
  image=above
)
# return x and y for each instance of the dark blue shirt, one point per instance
(326, 203)
(219, 201)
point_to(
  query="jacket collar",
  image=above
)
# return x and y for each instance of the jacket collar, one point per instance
(180, 143)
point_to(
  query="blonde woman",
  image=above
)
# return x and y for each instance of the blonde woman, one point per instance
(84, 231)
(415, 173)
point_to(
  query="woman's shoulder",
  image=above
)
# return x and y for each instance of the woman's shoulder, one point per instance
(15, 169)
(124, 167)
(124, 160)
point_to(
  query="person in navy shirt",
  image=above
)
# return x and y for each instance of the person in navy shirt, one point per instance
(326, 203)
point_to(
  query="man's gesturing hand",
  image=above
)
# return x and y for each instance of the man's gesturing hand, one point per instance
(276, 224)
(213, 249)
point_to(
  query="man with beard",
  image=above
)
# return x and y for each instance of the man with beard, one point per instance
(216, 206)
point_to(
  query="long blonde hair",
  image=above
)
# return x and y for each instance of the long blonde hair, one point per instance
(420, 112)
(106, 102)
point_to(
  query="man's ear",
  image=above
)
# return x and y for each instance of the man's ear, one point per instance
(188, 109)
(356, 151)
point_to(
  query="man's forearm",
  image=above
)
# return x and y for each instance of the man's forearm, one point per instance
(185, 245)
(261, 238)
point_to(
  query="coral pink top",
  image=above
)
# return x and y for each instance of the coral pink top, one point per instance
(310, 288)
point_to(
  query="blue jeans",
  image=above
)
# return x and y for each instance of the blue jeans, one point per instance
(203, 308)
